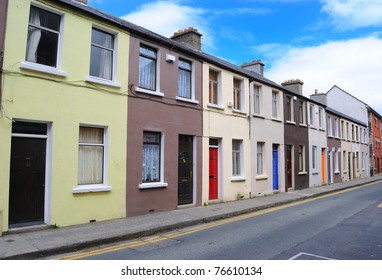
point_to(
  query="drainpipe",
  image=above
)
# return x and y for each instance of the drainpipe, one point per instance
(250, 107)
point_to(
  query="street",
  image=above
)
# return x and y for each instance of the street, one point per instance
(343, 226)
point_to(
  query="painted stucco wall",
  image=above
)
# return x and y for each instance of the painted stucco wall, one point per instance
(64, 103)
(169, 116)
(224, 124)
(318, 139)
(268, 130)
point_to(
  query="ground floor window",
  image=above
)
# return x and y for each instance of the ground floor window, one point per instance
(237, 157)
(151, 157)
(91, 155)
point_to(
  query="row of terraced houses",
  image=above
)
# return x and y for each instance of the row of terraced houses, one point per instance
(103, 119)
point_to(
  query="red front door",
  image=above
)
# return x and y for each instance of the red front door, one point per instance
(213, 193)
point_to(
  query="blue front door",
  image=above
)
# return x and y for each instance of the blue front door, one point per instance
(275, 164)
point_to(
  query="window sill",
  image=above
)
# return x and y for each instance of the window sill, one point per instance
(315, 172)
(237, 179)
(336, 172)
(291, 122)
(276, 120)
(261, 177)
(153, 185)
(193, 101)
(258, 116)
(303, 125)
(302, 173)
(103, 82)
(91, 188)
(215, 106)
(151, 92)
(42, 68)
(237, 111)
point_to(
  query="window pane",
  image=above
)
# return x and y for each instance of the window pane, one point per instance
(90, 165)
(184, 83)
(147, 52)
(91, 135)
(151, 157)
(103, 39)
(46, 19)
(213, 87)
(147, 75)
(101, 63)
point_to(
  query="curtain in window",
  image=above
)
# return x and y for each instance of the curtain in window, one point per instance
(213, 90)
(91, 156)
(101, 64)
(34, 36)
(151, 157)
(147, 68)
(184, 80)
(259, 158)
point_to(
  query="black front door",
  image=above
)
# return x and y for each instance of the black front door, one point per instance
(185, 170)
(27, 180)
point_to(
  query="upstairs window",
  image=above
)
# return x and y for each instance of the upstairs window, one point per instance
(102, 54)
(43, 37)
(237, 95)
(275, 104)
(214, 88)
(185, 79)
(288, 109)
(147, 67)
(257, 100)
(311, 115)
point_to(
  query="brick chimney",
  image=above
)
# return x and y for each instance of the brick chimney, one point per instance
(255, 66)
(319, 97)
(189, 36)
(294, 85)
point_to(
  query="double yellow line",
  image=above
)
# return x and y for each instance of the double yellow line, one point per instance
(158, 238)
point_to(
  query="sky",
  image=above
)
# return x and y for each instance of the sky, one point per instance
(321, 42)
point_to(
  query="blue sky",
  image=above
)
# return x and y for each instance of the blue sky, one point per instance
(321, 42)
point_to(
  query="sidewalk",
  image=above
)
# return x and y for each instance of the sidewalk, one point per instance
(42, 243)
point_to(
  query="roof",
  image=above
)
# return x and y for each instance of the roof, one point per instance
(145, 33)
(342, 115)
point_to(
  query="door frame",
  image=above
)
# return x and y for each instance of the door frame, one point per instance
(275, 148)
(48, 164)
(219, 149)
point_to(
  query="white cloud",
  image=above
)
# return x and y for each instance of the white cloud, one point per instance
(353, 65)
(167, 17)
(351, 14)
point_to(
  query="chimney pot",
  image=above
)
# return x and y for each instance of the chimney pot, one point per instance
(189, 36)
(294, 85)
(256, 66)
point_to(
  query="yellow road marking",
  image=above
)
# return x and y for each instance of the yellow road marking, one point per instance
(158, 238)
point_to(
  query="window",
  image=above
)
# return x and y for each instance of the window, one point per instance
(102, 55)
(311, 114)
(185, 79)
(236, 157)
(314, 157)
(91, 156)
(43, 37)
(301, 110)
(260, 158)
(330, 129)
(320, 118)
(301, 158)
(336, 128)
(147, 67)
(288, 109)
(343, 133)
(352, 133)
(214, 88)
(275, 97)
(237, 95)
(336, 161)
(257, 100)
(347, 131)
(344, 161)
(151, 157)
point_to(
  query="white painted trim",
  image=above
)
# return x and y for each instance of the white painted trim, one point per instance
(153, 185)
(91, 188)
(194, 101)
(151, 92)
(43, 68)
(104, 82)
(21, 135)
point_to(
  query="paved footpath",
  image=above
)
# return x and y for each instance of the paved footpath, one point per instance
(41, 243)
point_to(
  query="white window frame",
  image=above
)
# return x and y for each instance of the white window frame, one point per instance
(161, 183)
(34, 66)
(193, 98)
(218, 85)
(241, 95)
(311, 115)
(330, 126)
(260, 158)
(337, 155)
(275, 104)
(237, 153)
(257, 100)
(103, 187)
(336, 128)
(113, 81)
(314, 158)
(320, 118)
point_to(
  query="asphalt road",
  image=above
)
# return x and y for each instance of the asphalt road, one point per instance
(346, 226)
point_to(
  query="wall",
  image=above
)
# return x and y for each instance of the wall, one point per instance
(64, 103)
(270, 131)
(224, 124)
(169, 116)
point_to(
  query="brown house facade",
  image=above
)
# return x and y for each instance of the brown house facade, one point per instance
(164, 146)
(296, 137)
(375, 137)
